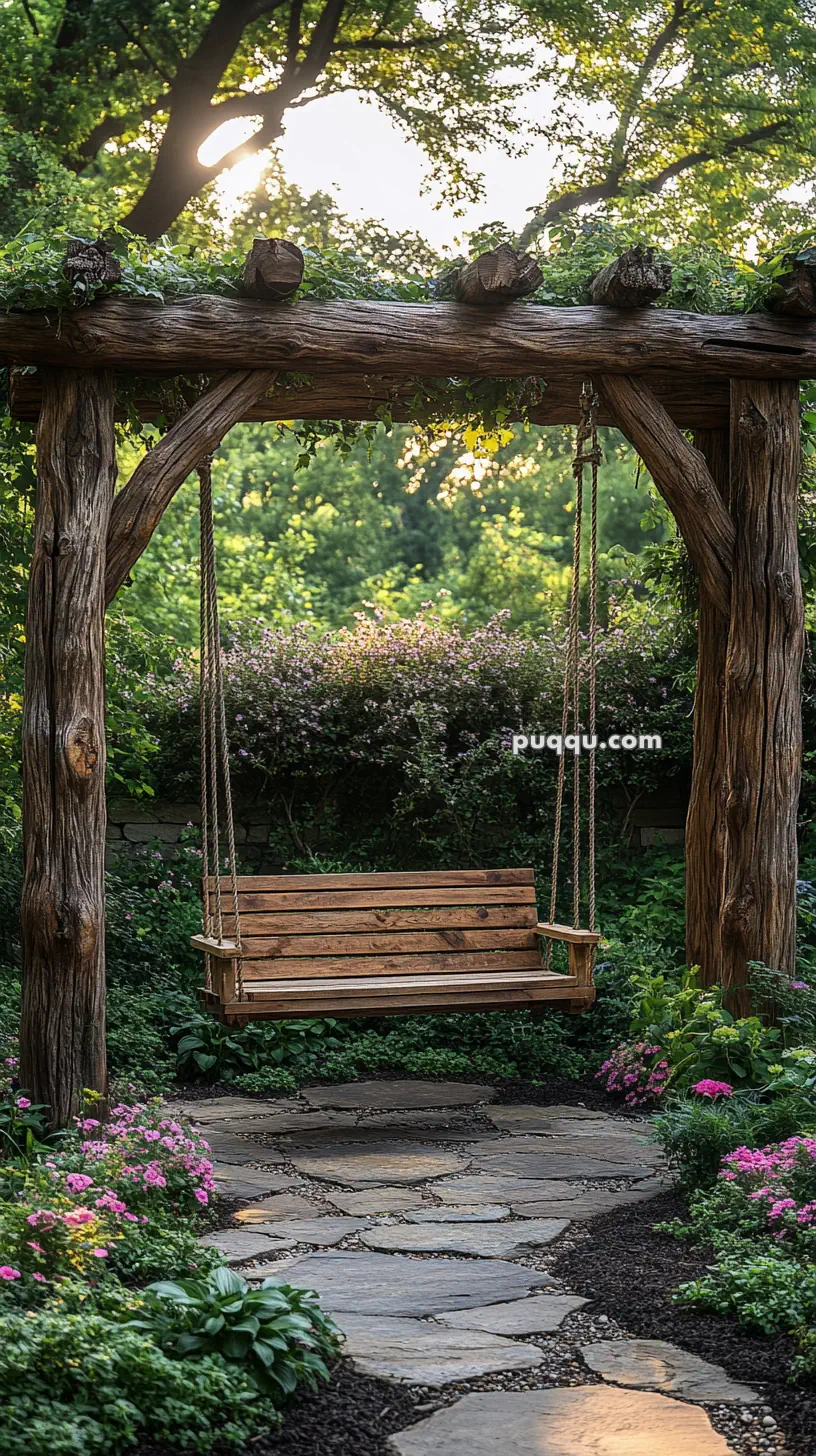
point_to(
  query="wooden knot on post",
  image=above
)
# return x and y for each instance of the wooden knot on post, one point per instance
(499, 276)
(634, 280)
(273, 269)
(87, 263)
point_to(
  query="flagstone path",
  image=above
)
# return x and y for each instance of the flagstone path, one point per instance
(426, 1217)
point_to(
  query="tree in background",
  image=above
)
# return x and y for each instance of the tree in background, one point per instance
(703, 108)
(121, 94)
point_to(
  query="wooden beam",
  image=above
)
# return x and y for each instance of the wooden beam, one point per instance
(634, 280)
(138, 508)
(209, 334)
(763, 693)
(62, 1037)
(498, 277)
(683, 479)
(691, 402)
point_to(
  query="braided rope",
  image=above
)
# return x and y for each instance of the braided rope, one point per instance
(214, 739)
(587, 435)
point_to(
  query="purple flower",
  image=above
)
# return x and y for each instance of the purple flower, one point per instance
(23, 1103)
(799, 986)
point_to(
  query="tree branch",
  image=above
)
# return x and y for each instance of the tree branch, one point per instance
(683, 479)
(608, 189)
(139, 507)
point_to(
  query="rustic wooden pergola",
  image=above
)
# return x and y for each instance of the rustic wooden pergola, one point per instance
(733, 381)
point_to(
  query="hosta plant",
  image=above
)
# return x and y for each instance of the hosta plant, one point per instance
(278, 1335)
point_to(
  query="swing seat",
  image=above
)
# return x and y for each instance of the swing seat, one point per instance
(389, 944)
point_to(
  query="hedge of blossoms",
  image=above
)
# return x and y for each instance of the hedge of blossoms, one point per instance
(71, 1210)
(302, 701)
(143, 1158)
(779, 1180)
(637, 1072)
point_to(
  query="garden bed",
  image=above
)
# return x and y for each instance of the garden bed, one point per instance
(631, 1271)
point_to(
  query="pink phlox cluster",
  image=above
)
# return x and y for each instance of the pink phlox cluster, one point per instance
(634, 1071)
(709, 1088)
(782, 1177)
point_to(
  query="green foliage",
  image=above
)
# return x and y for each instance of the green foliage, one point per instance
(700, 1037)
(268, 1083)
(24, 1132)
(276, 1335)
(766, 1290)
(82, 1385)
(162, 1249)
(696, 1134)
(207, 1049)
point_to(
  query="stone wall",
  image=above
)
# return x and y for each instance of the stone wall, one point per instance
(653, 820)
(133, 823)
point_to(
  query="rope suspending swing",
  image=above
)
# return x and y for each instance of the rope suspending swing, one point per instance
(587, 452)
(214, 757)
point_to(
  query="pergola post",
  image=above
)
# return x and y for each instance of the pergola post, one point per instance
(763, 721)
(62, 1037)
(705, 823)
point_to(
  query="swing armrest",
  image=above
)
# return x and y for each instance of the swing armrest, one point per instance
(225, 950)
(567, 933)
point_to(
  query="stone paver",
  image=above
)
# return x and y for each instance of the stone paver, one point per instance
(587, 1203)
(657, 1365)
(529, 1118)
(362, 1135)
(574, 1164)
(385, 1162)
(227, 1109)
(634, 1148)
(426, 1354)
(465, 1213)
(499, 1188)
(299, 1124)
(389, 1284)
(229, 1147)
(281, 1205)
(375, 1200)
(239, 1244)
(388, 1095)
(538, 1315)
(234, 1181)
(488, 1240)
(320, 1231)
(594, 1420)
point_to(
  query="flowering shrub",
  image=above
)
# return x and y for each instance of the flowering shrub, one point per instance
(23, 1125)
(637, 1072)
(780, 1180)
(41, 1243)
(151, 1165)
(707, 1088)
(702, 1041)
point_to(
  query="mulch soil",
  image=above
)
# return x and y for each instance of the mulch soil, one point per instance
(631, 1271)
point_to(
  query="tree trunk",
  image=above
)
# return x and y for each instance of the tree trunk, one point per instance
(763, 684)
(705, 824)
(63, 912)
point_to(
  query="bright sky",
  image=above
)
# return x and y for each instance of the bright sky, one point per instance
(350, 148)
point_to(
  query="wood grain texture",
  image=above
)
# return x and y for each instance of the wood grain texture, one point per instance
(205, 334)
(705, 823)
(377, 880)
(139, 507)
(321, 968)
(683, 479)
(498, 277)
(633, 280)
(62, 1038)
(346, 922)
(385, 899)
(266, 947)
(691, 401)
(763, 683)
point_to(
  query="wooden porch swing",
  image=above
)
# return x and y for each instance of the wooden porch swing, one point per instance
(391, 943)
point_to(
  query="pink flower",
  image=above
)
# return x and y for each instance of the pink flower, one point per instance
(23, 1103)
(99, 1253)
(7, 1273)
(38, 1248)
(707, 1088)
(201, 1195)
(78, 1182)
(40, 1278)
